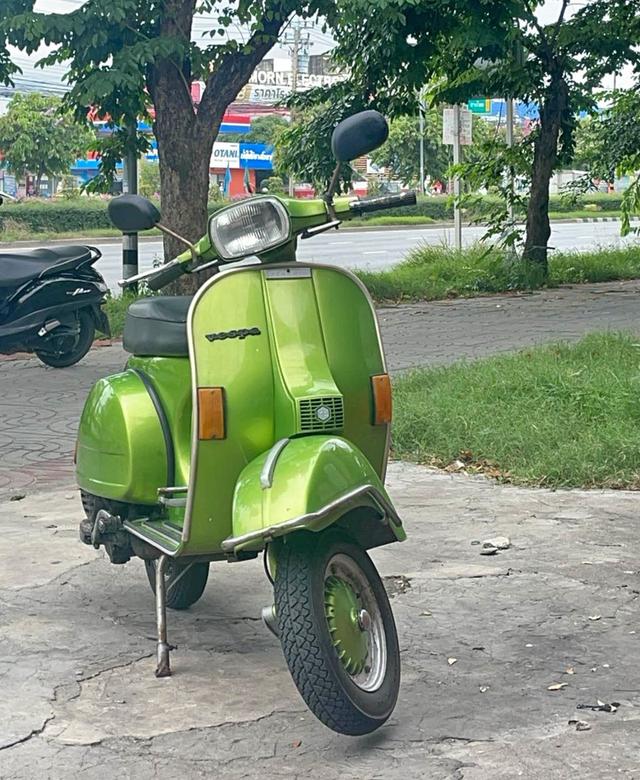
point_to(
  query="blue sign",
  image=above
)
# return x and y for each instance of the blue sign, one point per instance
(258, 157)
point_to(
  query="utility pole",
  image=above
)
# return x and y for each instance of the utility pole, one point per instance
(299, 43)
(457, 184)
(130, 240)
(511, 182)
(421, 120)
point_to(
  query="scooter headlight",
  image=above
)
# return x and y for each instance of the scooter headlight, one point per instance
(249, 228)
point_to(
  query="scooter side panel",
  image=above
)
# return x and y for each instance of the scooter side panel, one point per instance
(121, 451)
(171, 379)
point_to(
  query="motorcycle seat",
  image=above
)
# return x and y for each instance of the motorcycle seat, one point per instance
(20, 266)
(157, 326)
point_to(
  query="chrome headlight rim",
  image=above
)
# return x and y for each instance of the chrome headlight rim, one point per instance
(219, 246)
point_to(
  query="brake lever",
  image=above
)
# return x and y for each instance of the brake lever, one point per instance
(315, 231)
(198, 268)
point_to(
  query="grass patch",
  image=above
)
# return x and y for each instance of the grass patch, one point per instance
(583, 214)
(384, 221)
(116, 309)
(433, 272)
(555, 416)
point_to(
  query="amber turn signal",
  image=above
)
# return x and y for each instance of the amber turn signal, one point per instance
(381, 385)
(210, 413)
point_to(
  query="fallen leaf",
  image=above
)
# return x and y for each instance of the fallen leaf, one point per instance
(451, 661)
(557, 686)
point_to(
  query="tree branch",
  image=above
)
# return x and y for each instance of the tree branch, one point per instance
(544, 40)
(235, 68)
(558, 24)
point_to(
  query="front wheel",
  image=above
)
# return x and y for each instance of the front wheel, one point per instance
(185, 583)
(60, 351)
(337, 631)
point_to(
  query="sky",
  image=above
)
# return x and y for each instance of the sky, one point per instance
(52, 78)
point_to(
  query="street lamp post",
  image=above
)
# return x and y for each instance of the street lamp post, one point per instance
(421, 119)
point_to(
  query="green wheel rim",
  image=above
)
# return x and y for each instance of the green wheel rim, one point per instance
(349, 637)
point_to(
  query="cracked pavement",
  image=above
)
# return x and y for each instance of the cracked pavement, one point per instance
(79, 698)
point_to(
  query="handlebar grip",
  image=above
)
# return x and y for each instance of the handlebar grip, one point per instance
(166, 274)
(381, 202)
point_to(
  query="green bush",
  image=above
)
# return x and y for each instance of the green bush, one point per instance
(440, 207)
(89, 214)
(40, 216)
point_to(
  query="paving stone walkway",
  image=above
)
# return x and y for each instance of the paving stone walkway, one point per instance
(40, 407)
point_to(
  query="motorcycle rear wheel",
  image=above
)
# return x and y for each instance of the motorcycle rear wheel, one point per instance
(337, 631)
(63, 351)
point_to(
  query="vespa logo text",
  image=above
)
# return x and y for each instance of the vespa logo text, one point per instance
(241, 333)
(78, 291)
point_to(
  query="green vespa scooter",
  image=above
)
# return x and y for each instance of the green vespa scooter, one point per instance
(254, 417)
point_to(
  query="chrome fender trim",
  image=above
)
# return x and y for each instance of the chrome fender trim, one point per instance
(385, 507)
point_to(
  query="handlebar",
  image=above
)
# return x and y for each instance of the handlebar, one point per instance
(157, 277)
(166, 274)
(381, 202)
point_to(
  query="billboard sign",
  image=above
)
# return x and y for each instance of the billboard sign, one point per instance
(241, 155)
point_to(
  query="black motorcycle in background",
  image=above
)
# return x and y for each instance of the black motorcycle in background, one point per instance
(51, 302)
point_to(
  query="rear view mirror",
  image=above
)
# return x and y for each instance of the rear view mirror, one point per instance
(358, 135)
(132, 213)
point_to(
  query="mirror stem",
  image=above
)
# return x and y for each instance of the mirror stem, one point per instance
(333, 186)
(169, 232)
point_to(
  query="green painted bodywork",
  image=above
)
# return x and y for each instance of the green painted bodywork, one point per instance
(311, 473)
(318, 344)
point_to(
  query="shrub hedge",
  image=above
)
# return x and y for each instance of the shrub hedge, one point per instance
(440, 207)
(39, 216)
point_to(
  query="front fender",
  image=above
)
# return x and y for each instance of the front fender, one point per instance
(310, 483)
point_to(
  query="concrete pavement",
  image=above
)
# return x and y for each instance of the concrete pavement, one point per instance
(40, 407)
(497, 653)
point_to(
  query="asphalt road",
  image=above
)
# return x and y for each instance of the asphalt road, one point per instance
(377, 249)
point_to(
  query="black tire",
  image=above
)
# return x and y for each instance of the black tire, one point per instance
(323, 680)
(189, 587)
(63, 351)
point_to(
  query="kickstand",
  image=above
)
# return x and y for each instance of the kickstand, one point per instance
(163, 669)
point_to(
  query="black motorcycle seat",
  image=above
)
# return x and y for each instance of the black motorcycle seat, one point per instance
(19, 267)
(157, 326)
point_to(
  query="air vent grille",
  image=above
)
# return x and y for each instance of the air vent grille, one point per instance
(321, 414)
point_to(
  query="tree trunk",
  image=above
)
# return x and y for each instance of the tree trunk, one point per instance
(185, 134)
(545, 158)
